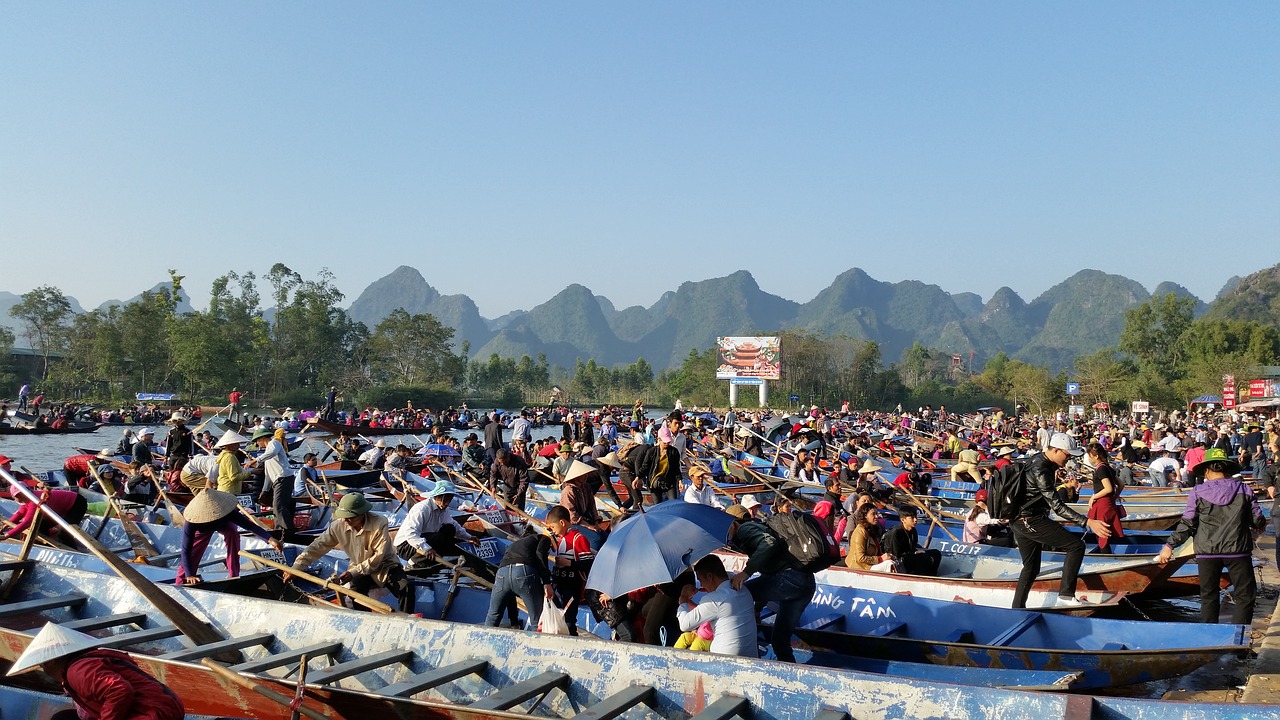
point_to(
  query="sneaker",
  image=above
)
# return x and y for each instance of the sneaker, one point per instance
(1068, 601)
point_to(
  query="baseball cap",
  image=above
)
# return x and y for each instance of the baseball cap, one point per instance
(1063, 441)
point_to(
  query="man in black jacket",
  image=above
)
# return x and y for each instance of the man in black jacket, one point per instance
(1034, 530)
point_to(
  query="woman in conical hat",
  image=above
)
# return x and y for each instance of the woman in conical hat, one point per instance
(102, 683)
(214, 511)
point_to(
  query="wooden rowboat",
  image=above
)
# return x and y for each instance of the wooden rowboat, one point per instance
(365, 665)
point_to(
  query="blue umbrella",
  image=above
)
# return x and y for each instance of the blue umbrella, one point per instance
(441, 450)
(657, 545)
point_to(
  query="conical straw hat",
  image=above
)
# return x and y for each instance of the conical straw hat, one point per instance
(577, 470)
(868, 467)
(210, 505)
(52, 642)
(232, 438)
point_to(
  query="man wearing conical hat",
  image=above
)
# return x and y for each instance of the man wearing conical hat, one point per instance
(215, 512)
(1223, 516)
(364, 536)
(104, 684)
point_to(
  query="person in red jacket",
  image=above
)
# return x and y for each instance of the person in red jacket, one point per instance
(68, 504)
(103, 684)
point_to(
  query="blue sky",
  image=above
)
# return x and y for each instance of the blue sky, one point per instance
(507, 150)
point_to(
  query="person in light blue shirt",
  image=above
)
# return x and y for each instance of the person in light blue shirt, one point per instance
(732, 613)
(306, 471)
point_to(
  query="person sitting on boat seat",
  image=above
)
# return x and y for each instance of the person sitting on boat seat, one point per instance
(903, 543)
(429, 530)
(698, 640)
(364, 536)
(214, 512)
(103, 684)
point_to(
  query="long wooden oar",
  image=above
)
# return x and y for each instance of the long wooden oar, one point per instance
(263, 690)
(142, 546)
(182, 618)
(916, 501)
(361, 598)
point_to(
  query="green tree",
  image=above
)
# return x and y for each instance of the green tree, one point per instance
(44, 314)
(412, 350)
(1152, 332)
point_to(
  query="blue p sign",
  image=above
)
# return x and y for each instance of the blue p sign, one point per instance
(1073, 388)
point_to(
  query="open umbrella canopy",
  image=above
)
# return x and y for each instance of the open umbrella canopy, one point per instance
(657, 545)
(988, 408)
(441, 450)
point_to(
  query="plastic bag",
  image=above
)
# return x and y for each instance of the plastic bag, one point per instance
(552, 621)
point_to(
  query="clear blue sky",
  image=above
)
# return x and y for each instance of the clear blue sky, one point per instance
(508, 149)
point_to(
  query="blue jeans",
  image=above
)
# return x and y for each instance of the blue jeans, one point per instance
(516, 581)
(791, 590)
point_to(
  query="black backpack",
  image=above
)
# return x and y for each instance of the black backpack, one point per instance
(807, 539)
(1007, 491)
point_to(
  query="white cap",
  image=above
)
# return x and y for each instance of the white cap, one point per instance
(749, 501)
(1063, 441)
(145, 432)
(231, 437)
(52, 642)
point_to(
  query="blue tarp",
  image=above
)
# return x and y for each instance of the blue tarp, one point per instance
(1207, 399)
(157, 396)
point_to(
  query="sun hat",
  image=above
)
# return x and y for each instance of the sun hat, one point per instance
(1006, 451)
(611, 460)
(564, 448)
(737, 511)
(210, 505)
(577, 470)
(380, 444)
(353, 504)
(443, 487)
(1216, 455)
(749, 501)
(700, 471)
(869, 467)
(1063, 441)
(52, 642)
(177, 418)
(231, 437)
(262, 433)
(106, 454)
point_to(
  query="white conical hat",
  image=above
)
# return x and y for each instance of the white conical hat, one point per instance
(52, 642)
(210, 505)
(577, 470)
(232, 438)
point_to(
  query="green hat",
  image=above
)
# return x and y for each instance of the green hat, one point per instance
(262, 433)
(352, 504)
(1216, 455)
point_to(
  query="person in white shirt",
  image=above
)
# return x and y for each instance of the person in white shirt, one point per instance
(429, 530)
(699, 492)
(374, 456)
(1161, 465)
(201, 471)
(732, 613)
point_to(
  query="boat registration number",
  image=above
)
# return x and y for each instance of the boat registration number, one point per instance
(246, 501)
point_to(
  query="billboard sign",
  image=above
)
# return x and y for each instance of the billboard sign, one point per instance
(749, 357)
(1140, 406)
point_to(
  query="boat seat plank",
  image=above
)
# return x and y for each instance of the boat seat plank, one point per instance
(724, 708)
(823, 622)
(42, 604)
(513, 695)
(163, 558)
(618, 703)
(959, 635)
(337, 672)
(106, 621)
(1007, 637)
(888, 629)
(288, 657)
(423, 681)
(831, 715)
(204, 651)
(1115, 646)
(138, 636)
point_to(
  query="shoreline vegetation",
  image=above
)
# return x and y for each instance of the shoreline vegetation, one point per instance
(291, 355)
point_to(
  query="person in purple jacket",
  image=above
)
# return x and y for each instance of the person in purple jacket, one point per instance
(1224, 518)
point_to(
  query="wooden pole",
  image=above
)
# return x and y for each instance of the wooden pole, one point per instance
(916, 501)
(182, 618)
(361, 598)
(142, 546)
(263, 690)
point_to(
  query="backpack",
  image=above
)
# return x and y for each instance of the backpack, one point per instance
(1007, 491)
(807, 539)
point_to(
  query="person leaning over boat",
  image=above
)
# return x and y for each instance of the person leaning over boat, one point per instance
(201, 471)
(430, 531)
(780, 581)
(578, 499)
(1034, 530)
(731, 611)
(523, 572)
(66, 504)
(103, 684)
(364, 536)
(1223, 516)
(213, 512)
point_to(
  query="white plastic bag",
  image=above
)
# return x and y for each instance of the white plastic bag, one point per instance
(552, 620)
